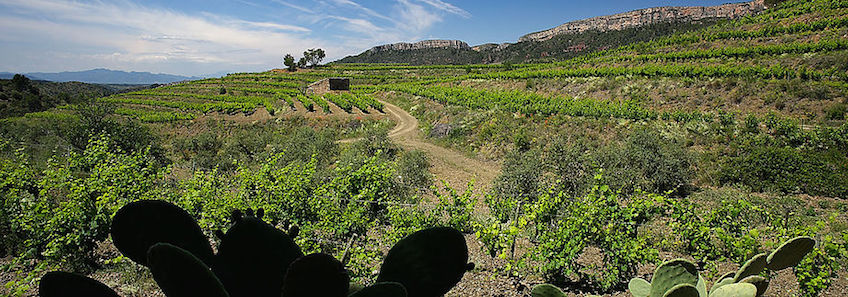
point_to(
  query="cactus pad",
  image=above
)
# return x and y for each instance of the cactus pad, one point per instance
(722, 282)
(701, 286)
(428, 263)
(253, 258)
(61, 284)
(181, 274)
(790, 253)
(639, 287)
(382, 290)
(139, 225)
(753, 266)
(682, 290)
(735, 290)
(758, 281)
(673, 273)
(731, 274)
(316, 275)
(546, 290)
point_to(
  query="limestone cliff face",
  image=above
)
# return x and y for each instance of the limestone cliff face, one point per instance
(649, 16)
(420, 45)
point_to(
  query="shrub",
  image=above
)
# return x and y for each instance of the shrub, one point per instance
(836, 112)
(647, 161)
(571, 166)
(63, 213)
(520, 180)
(413, 171)
(764, 167)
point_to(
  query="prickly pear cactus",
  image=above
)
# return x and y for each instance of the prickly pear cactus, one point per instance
(735, 290)
(381, 290)
(316, 275)
(428, 263)
(701, 286)
(253, 257)
(758, 281)
(546, 290)
(673, 273)
(63, 284)
(682, 290)
(753, 266)
(719, 284)
(139, 225)
(731, 275)
(790, 253)
(181, 274)
(639, 287)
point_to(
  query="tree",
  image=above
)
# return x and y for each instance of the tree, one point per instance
(302, 62)
(289, 62)
(314, 56)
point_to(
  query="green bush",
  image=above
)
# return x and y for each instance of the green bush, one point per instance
(836, 112)
(646, 161)
(600, 220)
(765, 167)
(61, 213)
(571, 166)
(413, 171)
(520, 181)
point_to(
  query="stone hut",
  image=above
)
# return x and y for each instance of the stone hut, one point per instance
(329, 84)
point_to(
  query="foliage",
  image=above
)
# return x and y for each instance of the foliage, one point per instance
(596, 220)
(413, 171)
(518, 183)
(314, 56)
(816, 272)
(646, 161)
(61, 213)
(288, 61)
(770, 167)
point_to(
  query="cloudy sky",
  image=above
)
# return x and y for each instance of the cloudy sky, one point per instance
(197, 37)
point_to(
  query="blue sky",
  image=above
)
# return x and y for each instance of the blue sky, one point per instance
(201, 37)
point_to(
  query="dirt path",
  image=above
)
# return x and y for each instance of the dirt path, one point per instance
(448, 165)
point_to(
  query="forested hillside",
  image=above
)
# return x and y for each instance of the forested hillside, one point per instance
(559, 47)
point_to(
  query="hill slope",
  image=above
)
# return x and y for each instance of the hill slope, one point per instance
(568, 40)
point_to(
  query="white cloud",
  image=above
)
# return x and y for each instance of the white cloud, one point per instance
(131, 33)
(415, 17)
(444, 6)
(367, 11)
(59, 35)
(298, 7)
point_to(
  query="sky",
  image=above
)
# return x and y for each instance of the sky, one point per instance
(197, 37)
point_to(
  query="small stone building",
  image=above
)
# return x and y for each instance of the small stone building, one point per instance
(329, 84)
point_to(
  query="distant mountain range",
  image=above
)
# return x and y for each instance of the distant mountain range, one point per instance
(104, 76)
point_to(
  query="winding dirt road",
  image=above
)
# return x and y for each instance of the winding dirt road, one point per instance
(448, 165)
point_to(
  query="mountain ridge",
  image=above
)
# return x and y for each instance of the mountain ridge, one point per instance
(564, 41)
(104, 76)
(646, 16)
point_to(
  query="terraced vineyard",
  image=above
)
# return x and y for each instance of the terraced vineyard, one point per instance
(233, 94)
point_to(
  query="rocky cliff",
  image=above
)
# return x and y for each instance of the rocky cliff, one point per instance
(426, 44)
(642, 17)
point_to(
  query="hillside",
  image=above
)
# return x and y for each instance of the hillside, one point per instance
(22, 95)
(565, 41)
(714, 145)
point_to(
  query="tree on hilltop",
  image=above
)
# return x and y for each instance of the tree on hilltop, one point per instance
(311, 57)
(288, 60)
(314, 56)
